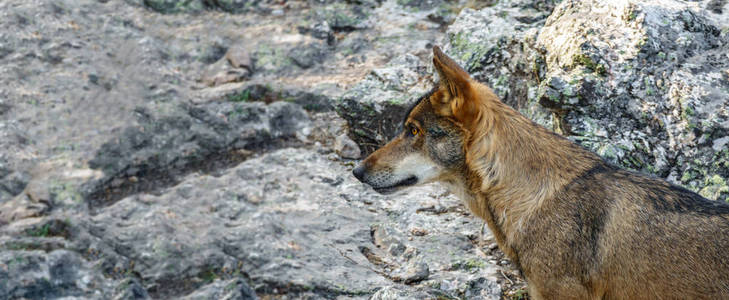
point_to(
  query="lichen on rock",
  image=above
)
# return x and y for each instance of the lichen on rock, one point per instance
(642, 83)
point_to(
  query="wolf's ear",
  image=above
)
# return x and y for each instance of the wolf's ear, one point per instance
(456, 82)
(452, 76)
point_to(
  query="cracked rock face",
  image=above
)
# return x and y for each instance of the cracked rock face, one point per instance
(195, 149)
(645, 84)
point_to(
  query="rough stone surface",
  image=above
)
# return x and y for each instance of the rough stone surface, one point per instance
(183, 150)
(162, 148)
(223, 72)
(239, 58)
(645, 84)
(346, 147)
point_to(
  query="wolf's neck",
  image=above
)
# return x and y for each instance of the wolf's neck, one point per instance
(516, 168)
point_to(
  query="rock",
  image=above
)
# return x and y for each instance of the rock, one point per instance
(164, 147)
(130, 288)
(4, 107)
(308, 55)
(60, 273)
(235, 6)
(342, 17)
(495, 45)
(479, 287)
(346, 147)
(618, 84)
(413, 272)
(213, 51)
(221, 73)
(389, 240)
(320, 30)
(4, 169)
(648, 87)
(22, 207)
(313, 101)
(273, 58)
(14, 183)
(326, 127)
(233, 289)
(263, 220)
(716, 6)
(154, 184)
(238, 57)
(175, 6)
(421, 4)
(232, 236)
(5, 50)
(397, 293)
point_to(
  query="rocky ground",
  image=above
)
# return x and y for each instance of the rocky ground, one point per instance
(202, 149)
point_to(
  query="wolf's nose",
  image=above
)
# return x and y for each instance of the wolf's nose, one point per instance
(359, 172)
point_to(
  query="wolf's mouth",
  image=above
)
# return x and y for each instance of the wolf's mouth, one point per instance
(392, 188)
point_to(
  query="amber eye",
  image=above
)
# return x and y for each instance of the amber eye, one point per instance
(414, 131)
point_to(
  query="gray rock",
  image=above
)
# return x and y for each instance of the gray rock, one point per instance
(495, 44)
(273, 219)
(174, 6)
(21, 207)
(273, 58)
(235, 6)
(320, 30)
(222, 72)
(388, 239)
(213, 51)
(238, 57)
(5, 50)
(4, 107)
(130, 289)
(414, 271)
(234, 289)
(421, 4)
(35, 275)
(308, 55)
(14, 183)
(346, 147)
(4, 169)
(716, 6)
(479, 287)
(641, 83)
(342, 17)
(165, 147)
(397, 293)
(235, 236)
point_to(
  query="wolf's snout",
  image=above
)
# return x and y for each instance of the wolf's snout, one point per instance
(359, 172)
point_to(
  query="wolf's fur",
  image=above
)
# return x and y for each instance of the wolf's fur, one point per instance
(577, 227)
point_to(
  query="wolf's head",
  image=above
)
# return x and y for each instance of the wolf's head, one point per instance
(432, 146)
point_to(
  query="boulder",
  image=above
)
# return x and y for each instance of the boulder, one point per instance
(642, 83)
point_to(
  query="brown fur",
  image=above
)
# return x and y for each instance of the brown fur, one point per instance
(577, 227)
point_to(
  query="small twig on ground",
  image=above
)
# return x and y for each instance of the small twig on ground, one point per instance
(507, 277)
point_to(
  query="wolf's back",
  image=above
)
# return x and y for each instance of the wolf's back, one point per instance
(632, 236)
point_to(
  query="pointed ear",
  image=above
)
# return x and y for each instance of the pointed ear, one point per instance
(457, 83)
(452, 77)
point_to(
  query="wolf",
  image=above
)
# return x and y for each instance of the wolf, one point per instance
(576, 226)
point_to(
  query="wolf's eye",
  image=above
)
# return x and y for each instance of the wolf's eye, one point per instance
(414, 131)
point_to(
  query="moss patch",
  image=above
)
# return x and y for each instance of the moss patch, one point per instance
(716, 187)
(585, 60)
